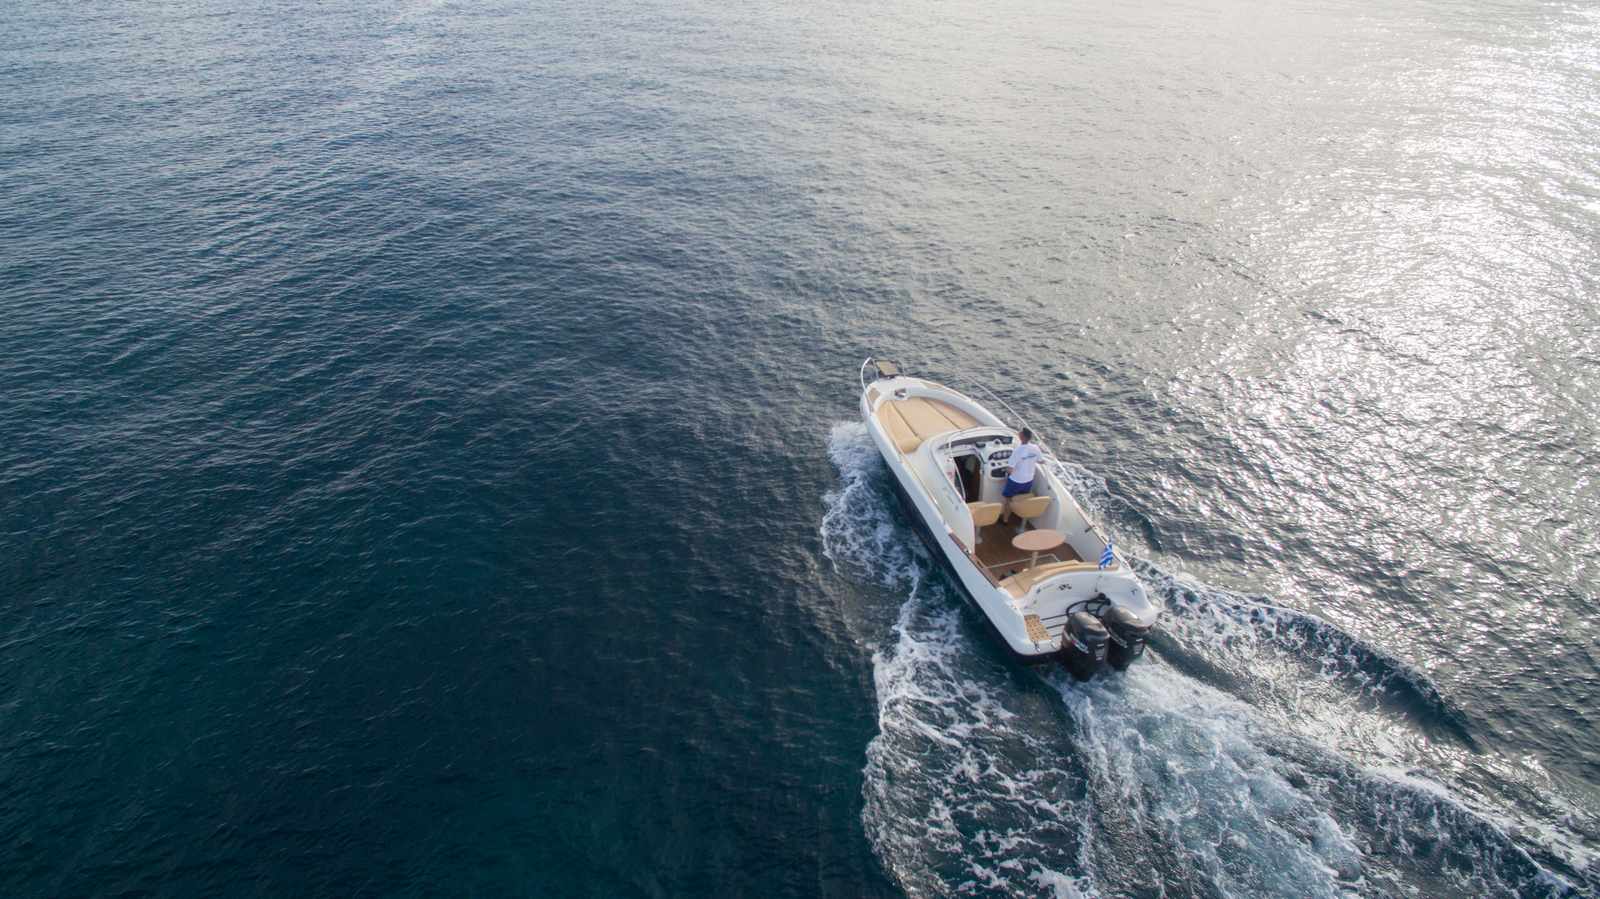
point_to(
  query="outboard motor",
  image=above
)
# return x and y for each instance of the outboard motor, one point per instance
(1128, 636)
(1083, 645)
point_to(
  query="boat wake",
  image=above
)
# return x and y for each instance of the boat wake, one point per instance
(1293, 660)
(1255, 751)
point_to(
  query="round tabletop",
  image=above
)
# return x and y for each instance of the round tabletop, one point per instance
(1038, 541)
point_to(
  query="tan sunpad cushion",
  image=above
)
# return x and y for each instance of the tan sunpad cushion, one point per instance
(912, 421)
(1020, 583)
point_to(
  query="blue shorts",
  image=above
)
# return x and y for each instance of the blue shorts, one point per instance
(1012, 488)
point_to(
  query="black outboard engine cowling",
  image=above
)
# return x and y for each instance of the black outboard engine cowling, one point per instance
(1128, 636)
(1083, 645)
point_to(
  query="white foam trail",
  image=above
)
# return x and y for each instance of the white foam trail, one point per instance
(1283, 658)
(958, 800)
(858, 529)
(977, 783)
(1235, 804)
(1177, 764)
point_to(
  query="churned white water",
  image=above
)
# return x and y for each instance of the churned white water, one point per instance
(1255, 751)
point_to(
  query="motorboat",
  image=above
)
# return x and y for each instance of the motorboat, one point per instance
(1049, 582)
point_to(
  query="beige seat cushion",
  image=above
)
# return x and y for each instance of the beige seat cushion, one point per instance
(1026, 505)
(955, 416)
(1020, 583)
(923, 417)
(984, 514)
(900, 432)
(912, 421)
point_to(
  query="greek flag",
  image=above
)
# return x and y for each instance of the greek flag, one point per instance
(1107, 556)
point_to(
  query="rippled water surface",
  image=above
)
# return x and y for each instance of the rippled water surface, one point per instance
(428, 457)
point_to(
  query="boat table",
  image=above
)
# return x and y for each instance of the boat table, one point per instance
(1036, 542)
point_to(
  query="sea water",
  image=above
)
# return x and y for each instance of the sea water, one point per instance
(429, 459)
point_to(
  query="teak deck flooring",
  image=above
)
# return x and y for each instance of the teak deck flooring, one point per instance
(995, 549)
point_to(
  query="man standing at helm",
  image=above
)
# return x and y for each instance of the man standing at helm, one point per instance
(1024, 459)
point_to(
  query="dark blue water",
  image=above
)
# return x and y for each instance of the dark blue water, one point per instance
(427, 458)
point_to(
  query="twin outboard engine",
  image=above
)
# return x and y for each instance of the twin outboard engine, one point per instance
(1083, 647)
(1127, 635)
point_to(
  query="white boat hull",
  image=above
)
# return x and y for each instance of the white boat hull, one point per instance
(925, 427)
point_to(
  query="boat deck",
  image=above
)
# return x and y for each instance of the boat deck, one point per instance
(995, 549)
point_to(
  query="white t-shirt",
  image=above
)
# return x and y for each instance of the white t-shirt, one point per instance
(1023, 460)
